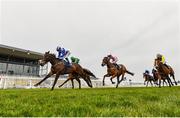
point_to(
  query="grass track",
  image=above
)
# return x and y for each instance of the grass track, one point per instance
(91, 102)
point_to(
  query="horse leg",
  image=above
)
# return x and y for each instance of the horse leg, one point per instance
(144, 82)
(147, 83)
(117, 81)
(122, 78)
(165, 82)
(159, 83)
(64, 82)
(79, 82)
(47, 76)
(55, 81)
(168, 80)
(151, 83)
(107, 75)
(72, 83)
(112, 78)
(174, 79)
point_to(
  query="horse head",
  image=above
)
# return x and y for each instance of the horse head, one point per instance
(158, 62)
(46, 58)
(105, 61)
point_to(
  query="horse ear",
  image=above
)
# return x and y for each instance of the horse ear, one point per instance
(48, 52)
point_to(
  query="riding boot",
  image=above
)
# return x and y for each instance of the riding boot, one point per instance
(67, 60)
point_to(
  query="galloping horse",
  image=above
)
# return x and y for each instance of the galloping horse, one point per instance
(157, 77)
(165, 71)
(113, 71)
(148, 78)
(75, 76)
(59, 68)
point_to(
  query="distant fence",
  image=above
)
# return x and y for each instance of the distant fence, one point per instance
(28, 82)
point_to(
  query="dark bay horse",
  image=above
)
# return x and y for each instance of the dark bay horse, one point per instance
(148, 78)
(165, 71)
(59, 68)
(77, 77)
(113, 71)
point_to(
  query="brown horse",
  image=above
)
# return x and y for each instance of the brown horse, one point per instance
(157, 77)
(165, 71)
(113, 71)
(75, 76)
(59, 68)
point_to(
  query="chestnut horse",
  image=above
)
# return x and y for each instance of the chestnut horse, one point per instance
(165, 71)
(113, 72)
(59, 68)
(75, 76)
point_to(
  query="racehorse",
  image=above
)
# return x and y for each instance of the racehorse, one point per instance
(113, 71)
(59, 67)
(75, 76)
(148, 78)
(157, 77)
(165, 71)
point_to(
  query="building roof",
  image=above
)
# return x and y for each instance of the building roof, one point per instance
(17, 52)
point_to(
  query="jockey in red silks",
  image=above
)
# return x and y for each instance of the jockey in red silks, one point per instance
(114, 59)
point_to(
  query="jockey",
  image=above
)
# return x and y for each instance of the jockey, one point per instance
(113, 59)
(162, 59)
(63, 54)
(75, 60)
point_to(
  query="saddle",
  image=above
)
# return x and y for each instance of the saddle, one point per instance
(67, 64)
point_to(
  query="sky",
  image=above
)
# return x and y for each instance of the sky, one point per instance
(133, 30)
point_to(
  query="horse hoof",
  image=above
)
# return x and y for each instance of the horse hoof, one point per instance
(113, 82)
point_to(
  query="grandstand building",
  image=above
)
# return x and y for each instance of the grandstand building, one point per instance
(20, 62)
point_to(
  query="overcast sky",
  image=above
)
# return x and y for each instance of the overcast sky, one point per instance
(134, 31)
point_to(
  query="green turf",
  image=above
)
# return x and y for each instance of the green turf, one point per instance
(91, 102)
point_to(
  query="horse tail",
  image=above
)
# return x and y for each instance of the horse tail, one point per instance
(89, 72)
(130, 73)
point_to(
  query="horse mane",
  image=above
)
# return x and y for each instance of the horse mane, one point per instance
(52, 55)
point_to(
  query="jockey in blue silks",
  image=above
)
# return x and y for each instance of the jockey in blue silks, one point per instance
(63, 54)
